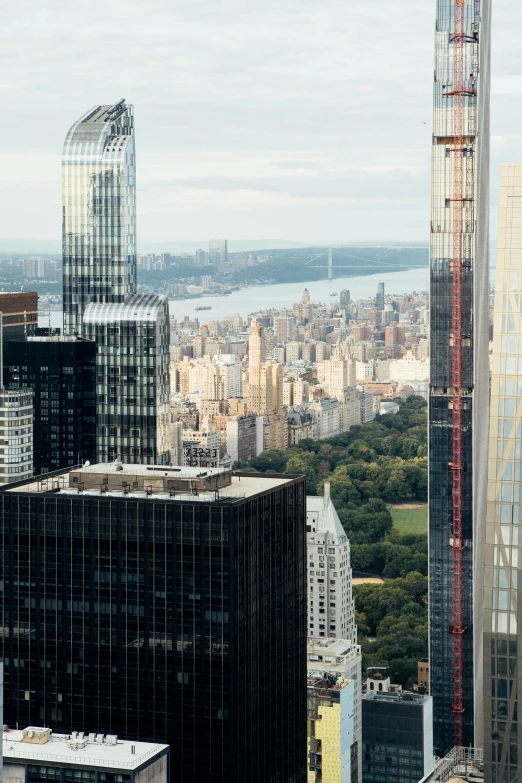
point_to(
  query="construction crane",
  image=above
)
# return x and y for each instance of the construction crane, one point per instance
(463, 199)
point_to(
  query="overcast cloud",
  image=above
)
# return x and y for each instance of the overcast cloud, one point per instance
(291, 119)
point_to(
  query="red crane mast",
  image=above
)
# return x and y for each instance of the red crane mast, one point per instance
(456, 362)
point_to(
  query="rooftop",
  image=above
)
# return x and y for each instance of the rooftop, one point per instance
(395, 696)
(114, 479)
(322, 517)
(98, 751)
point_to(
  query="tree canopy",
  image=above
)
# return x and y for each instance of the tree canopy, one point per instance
(369, 467)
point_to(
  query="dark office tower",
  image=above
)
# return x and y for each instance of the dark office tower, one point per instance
(99, 211)
(61, 371)
(397, 737)
(379, 299)
(458, 404)
(161, 604)
(132, 378)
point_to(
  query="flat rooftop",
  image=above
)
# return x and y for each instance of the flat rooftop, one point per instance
(96, 754)
(114, 479)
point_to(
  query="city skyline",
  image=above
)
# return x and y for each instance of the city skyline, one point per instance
(268, 169)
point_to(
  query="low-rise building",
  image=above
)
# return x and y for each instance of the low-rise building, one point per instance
(340, 660)
(301, 425)
(36, 755)
(332, 747)
(397, 736)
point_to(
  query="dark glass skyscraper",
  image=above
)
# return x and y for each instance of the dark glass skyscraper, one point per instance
(99, 211)
(61, 371)
(164, 604)
(458, 405)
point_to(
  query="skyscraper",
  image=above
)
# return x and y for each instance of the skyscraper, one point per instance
(164, 605)
(132, 383)
(379, 299)
(458, 404)
(16, 434)
(502, 604)
(61, 371)
(256, 344)
(345, 303)
(217, 251)
(331, 611)
(99, 288)
(99, 211)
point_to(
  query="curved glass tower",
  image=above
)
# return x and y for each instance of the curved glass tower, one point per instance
(98, 212)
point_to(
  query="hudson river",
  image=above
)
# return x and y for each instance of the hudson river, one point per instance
(254, 298)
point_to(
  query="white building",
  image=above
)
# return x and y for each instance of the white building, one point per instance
(81, 756)
(326, 413)
(409, 369)
(16, 435)
(331, 609)
(364, 371)
(366, 402)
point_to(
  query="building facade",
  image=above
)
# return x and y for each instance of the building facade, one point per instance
(19, 320)
(331, 611)
(61, 372)
(16, 434)
(379, 299)
(458, 404)
(256, 344)
(132, 378)
(331, 735)
(334, 725)
(397, 737)
(38, 755)
(168, 606)
(99, 212)
(502, 604)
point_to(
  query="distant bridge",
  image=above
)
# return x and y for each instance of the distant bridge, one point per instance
(369, 263)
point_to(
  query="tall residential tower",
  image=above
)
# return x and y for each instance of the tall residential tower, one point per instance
(502, 607)
(458, 405)
(98, 212)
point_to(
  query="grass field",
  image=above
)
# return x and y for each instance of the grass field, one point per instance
(409, 520)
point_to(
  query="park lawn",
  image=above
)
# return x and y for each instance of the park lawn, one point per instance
(407, 520)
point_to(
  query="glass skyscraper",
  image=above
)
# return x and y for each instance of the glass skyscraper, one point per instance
(458, 404)
(502, 608)
(161, 604)
(132, 378)
(98, 211)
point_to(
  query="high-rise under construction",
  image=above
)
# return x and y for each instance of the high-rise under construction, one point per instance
(458, 406)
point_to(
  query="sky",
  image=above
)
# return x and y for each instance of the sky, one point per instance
(304, 120)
